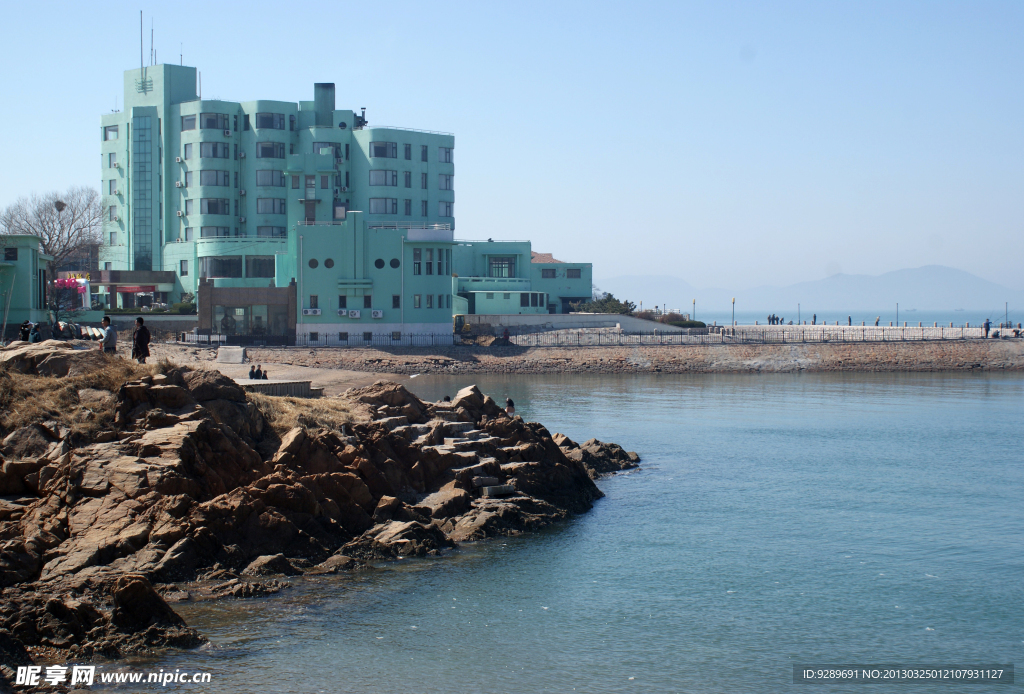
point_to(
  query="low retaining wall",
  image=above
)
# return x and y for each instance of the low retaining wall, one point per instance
(293, 389)
(959, 355)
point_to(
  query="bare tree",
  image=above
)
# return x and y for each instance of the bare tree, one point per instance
(66, 223)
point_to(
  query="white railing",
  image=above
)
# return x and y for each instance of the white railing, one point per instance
(409, 225)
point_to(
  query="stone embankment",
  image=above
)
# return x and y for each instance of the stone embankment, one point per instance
(191, 493)
(949, 355)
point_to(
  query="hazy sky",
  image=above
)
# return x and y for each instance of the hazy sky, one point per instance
(730, 144)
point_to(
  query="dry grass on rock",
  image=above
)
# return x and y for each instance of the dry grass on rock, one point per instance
(82, 404)
(284, 413)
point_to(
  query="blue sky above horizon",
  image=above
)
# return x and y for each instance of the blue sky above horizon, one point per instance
(729, 143)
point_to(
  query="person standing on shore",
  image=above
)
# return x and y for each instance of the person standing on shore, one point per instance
(510, 407)
(140, 341)
(985, 326)
(259, 372)
(252, 372)
(26, 328)
(109, 342)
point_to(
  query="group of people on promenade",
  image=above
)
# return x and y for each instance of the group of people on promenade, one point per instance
(256, 373)
(140, 339)
(775, 320)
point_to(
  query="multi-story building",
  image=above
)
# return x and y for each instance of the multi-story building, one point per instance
(288, 217)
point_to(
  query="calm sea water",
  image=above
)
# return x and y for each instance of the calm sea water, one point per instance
(776, 520)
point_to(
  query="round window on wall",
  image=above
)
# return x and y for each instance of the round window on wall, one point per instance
(342, 125)
(395, 263)
(313, 263)
(329, 262)
(378, 263)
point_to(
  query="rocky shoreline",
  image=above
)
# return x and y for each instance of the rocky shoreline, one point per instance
(121, 496)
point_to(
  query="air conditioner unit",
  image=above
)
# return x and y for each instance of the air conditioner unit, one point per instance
(354, 313)
(342, 312)
(344, 189)
(177, 159)
(242, 191)
(180, 213)
(241, 155)
(241, 220)
(227, 133)
(178, 184)
(377, 313)
(311, 312)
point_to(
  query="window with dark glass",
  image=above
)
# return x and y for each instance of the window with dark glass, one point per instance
(245, 122)
(444, 155)
(445, 182)
(417, 258)
(272, 232)
(259, 266)
(547, 274)
(383, 205)
(396, 299)
(270, 205)
(367, 301)
(11, 255)
(423, 153)
(214, 206)
(388, 150)
(445, 209)
(270, 179)
(183, 269)
(220, 266)
(524, 300)
(270, 150)
(408, 208)
(208, 177)
(213, 232)
(501, 267)
(408, 179)
(274, 121)
(408, 151)
(333, 147)
(423, 208)
(324, 182)
(342, 301)
(112, 160)
(574, 273)
(430, 261)
(213, 121)
(214, 150)
(423, 181)
(381, 177)
(188, 123)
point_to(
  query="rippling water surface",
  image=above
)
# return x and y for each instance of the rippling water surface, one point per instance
(776, 520)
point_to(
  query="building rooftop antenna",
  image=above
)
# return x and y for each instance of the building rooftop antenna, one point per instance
(142, 65)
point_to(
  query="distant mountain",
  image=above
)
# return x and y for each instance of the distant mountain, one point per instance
(932, 287)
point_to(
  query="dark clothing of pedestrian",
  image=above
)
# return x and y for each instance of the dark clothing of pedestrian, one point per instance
(265, 376)
(985, 326)
(26, 328)
(258, 373)
(34, 335)
(510, 407)
(140, 343)
(252, 373)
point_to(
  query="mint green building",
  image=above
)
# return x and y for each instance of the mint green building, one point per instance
(297, 218)
(23, 282)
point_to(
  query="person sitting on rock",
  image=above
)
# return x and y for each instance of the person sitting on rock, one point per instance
(258, 374)
(510, 407)
(252, 373)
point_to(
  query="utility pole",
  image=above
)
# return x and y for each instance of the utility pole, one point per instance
(798, 314)
(693, 316)
(734, 311)
(897, 314)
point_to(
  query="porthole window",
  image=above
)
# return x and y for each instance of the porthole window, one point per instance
(313, 263)
(378, 263)
(329, 262)
(395, 263)
(342, 125)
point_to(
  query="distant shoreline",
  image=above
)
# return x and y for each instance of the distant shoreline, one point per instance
(952, 355)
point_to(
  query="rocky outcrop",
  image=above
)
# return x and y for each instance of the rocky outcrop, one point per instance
(598, 457)
(178, 497)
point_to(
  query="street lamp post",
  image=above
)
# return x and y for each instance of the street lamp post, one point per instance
(734, 311)
(693, 316)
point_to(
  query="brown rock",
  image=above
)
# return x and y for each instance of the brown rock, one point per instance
(137, 606)
(270, 564)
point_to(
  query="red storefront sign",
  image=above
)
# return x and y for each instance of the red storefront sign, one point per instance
(135, 290)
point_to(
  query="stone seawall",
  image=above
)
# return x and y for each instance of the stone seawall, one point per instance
(961, 355)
